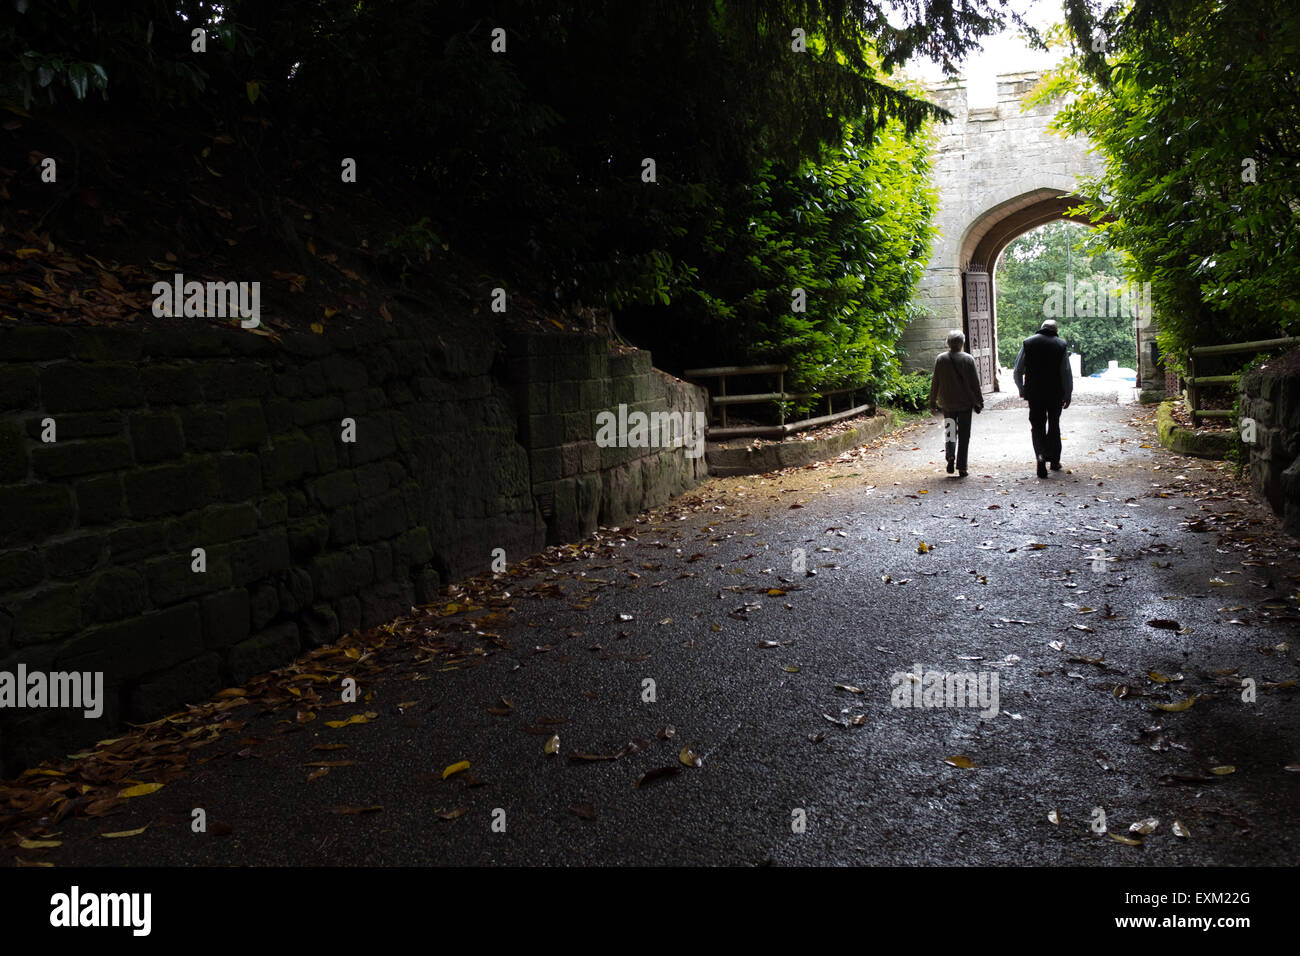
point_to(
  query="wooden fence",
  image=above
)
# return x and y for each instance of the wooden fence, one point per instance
(1194, 381)
(721, 401)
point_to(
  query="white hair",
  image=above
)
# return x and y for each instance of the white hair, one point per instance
(956, 339)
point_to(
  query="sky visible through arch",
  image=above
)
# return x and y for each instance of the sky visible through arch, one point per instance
(1003, 53)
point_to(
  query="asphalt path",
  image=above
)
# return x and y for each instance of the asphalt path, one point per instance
(697, 635)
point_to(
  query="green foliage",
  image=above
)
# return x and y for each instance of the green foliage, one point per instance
(911, 392)
(60, 52)
(1187, 102)
(1050, 254)
(532, 156)
(851, 229)
(405, 247)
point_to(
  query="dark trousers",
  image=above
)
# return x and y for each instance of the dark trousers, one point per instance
(962, 444)
(1045, 428)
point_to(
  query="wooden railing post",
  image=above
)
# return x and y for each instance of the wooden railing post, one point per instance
(780, 387)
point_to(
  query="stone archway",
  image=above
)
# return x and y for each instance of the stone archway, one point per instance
(979, 252)
(1000, 172)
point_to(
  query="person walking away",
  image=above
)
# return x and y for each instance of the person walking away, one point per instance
(1042, 374)
(955, 391)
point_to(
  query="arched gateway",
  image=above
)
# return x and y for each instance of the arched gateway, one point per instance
(1000, 172)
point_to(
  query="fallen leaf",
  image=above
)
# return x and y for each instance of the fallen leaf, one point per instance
(38, 844)
(690, 758)
(124, 833)
(1053, 817)
(1165, 623)
(552, 745)
(1180, 830)
(1123, 839)
(1177, 707)
(650, 776)
(354, 719)
(140, 790)
(1143, 827)
(964, 763)
(1223, 770)
(455, 768)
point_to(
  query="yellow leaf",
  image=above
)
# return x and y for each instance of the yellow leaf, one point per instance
(790, 668)
(318, 328)
(1225, 769)
(553, 744)
(354, 719)
(922, 548)
(330, 311)
(455, 768)
(251, 88)
(1123, 839)
(140, 790)
(39, 844)
(690, 758)
(1178, 707)
(24, 253)
(964, 763)
(124, 833)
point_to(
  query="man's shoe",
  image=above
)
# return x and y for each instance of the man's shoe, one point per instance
(962, 473)
(950, 466)
(1056, 466)
(1042, 468)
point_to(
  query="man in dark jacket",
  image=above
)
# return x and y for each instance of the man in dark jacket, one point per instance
(1043, 376)
(955, 390)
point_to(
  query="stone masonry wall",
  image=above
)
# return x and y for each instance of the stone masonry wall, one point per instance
(224, 440)
(1271, 397)
(561, 384)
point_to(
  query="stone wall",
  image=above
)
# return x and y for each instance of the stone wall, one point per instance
(1271, 397)
(561, 384)
(222, 439)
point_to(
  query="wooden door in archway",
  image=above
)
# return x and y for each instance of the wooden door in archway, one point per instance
(977, 306)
